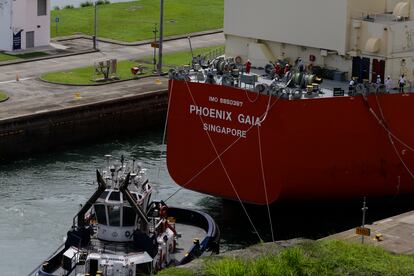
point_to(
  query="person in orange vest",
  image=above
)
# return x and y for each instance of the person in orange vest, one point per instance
(248, 66)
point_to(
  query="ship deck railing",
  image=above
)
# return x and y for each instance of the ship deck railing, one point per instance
(379, 17)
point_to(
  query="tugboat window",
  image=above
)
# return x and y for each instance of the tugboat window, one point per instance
(128, 218)
(114, 196)
(100, 213)
(114, 215)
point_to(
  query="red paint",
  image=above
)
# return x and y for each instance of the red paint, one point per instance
(311, 148)
(312, 58)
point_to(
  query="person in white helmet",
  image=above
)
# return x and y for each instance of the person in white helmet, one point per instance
(401, 83)
(388, 84)
(378, 82)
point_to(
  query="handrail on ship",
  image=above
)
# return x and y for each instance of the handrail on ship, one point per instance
(376, 15)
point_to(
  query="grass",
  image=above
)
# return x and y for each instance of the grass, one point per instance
(183, 57)
(3, 96)
(313, 258)
(6, 57)
(31, 55)
(83, 75)
(134, 21)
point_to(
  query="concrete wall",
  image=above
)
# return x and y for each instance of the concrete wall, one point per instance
(5, 24)
(57, 129)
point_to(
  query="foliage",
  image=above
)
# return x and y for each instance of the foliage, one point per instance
(134, 21)
(315, 258)
(84, 75)
(3, 96)
(31, 55)
(5, 57)
(102, 2)
(86, 4)
(183, 57)
(176, 272)
(68, 7)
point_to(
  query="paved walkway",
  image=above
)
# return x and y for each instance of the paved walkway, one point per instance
(397, 234)
(31, 95)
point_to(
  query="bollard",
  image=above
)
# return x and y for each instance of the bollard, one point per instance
(17, 77)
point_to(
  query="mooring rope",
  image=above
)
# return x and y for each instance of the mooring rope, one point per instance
(224, 168)
(218, 156)
(165, 126)
(384, 125)
(264, 183)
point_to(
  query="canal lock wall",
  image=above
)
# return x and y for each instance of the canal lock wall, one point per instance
(47, 131)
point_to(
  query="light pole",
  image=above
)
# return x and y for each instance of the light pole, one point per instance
(161, 37)
(154, 60)
(95, 27)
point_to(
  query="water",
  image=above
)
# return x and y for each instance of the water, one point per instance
(39, 197)
(76, 3)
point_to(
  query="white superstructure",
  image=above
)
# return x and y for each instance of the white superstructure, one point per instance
(362, 38)
(24, 24)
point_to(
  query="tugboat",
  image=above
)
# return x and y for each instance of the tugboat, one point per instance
(119, 231)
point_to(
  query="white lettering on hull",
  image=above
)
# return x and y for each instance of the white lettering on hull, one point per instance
(225, 130)
(210, 113)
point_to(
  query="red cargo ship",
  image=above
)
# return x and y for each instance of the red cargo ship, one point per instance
(234, 143)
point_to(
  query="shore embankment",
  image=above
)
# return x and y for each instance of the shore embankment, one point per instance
(51, 129)
(301, 257)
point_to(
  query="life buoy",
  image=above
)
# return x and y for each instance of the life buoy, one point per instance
(238, 60)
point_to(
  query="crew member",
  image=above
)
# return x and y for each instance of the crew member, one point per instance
(388, 84)
(378, 82)
(301, 65)
(287, 69)
(351, 88)
(248, 65)
(278, 69)
(401, 83)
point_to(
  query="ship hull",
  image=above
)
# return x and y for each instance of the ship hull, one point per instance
(240, 145)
